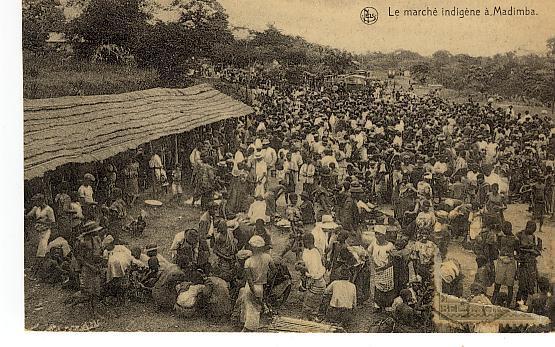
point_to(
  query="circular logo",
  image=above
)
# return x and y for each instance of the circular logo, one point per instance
(369, 15)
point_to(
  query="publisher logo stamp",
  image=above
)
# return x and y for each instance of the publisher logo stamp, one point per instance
(369, 15)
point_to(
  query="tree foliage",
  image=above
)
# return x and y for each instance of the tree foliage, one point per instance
(40, 17)
(108, 22)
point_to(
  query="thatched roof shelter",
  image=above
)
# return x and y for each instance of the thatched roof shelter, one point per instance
(81, 129)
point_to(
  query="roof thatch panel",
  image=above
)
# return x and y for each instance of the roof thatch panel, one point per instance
(80, 129)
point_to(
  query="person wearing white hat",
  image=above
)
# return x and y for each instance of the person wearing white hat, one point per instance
(261, 172)
(322, 233)
(251, 296)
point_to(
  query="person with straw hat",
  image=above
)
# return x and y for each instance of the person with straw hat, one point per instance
(251, 296)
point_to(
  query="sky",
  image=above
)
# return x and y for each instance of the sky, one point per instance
(337, 23)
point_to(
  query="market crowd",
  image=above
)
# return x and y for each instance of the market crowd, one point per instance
(371, 186)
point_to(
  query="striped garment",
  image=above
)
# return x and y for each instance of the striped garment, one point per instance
(313, 296)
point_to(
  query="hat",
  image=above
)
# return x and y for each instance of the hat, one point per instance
(356, 187)
(244, 254)
(151, 247)
(89, 176)
(449, 271)
(328, 223)
(380, 229)
(257, 241)
(91, 227)
(109, 239)
(265, 142)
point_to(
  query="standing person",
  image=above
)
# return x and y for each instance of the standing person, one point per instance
(239, 189)
(380, 251)
(261, 173)
(538, 201)
(86, 197)
(314, 271)
(118, 214)
(296, 162)
(88, 253)
(322, 234)
(194, 159)
(206, 225)
(131, 180)
(177, 188)
(529, 246)
(307, 209)
(349, 214)
(251, 296)
(505, 265)
(156, 169)
(43, 217)
(270, 157)
(206, 183)
(225, 248)
(306, 176)
(64, 212)
(191, 252)
(495, 204)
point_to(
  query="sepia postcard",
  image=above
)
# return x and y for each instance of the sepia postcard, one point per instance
(288, 166)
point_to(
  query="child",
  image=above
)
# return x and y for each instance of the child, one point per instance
(292, 212)
(425, 251)
(153, 263)
(343, 299)
(177, 189)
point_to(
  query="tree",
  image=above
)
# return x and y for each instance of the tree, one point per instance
(201, 30)
(551, 45)
(205, 23)
(108, 22)
(40, 17)
(441, 58)
(420, 71)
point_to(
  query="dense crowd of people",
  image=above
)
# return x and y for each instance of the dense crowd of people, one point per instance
(372, 186)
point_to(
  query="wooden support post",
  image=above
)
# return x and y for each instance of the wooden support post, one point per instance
(176, 149)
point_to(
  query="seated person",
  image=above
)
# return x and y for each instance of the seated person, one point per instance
(343, 299)
(257, 210)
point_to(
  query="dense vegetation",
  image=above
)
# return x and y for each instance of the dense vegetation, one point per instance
(131, 34)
